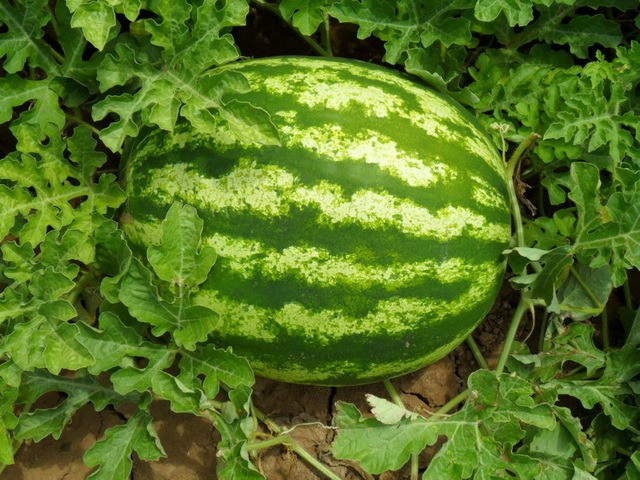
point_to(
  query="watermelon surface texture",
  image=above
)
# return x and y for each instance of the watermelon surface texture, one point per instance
(365, 246)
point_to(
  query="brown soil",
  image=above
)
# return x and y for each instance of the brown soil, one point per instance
(190, 442)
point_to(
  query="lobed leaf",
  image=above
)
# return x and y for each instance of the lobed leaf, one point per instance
(480, 436)
(112, 455)
(22, 41)
(188, 324)
(573, 344)
(42, 422)
(171, 75)
(178, 258)
(8, 421)
(44, 108)
(237, 428)
(97, 18)
(42, 195)
(408, 24)
(307, 15)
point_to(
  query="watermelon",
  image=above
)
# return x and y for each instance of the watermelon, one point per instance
(366, 245)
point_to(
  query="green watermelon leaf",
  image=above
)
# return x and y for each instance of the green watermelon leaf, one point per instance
(237, 428)
(22, 41)
(8, 420)
(112, 455)
(42, 422)
(170, 76)
(177, 258)
(307, 15)
(517, 12)
(408, 24)
(573, 344)
(483, 429)
(188, 324)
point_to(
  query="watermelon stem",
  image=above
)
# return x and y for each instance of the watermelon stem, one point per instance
(512, 165)
(477, 354)
(289, 442)
(80, 121)
(271, 425)
(393, 393)
(286, 440)
(395, 397)
(454, 402)
(523, 305)
(414, 466)
(325, 35)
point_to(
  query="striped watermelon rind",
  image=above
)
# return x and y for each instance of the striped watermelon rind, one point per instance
(364, 247)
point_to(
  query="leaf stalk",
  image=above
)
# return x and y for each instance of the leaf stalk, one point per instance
(512, 165)
(477, 354)
(393, 393)
(289, 442)
(523, 305)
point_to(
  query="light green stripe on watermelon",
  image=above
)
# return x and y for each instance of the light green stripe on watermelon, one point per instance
(394, 316)
(251, 258)
(371, 147)
(343, 85)
(271, 191)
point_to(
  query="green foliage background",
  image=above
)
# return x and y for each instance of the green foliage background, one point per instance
(80, 77)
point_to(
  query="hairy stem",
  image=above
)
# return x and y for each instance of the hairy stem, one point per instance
(628, 298)
(605, 330)
(512, 165)
(477, 354)
(523, 305)
(543, 329)
(393, 393)
(414, 467)
(80, 121)
(325, 35)
(289, 442)
(451, 404)
(273, 426)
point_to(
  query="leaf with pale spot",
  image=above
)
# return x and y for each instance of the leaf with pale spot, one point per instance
(484, 429)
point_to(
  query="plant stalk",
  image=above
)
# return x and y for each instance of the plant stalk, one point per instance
(451, 404)
(289, 442)
(628, 298)
(395, 397)
(273, 426)
(477, 354)
(523, 305)
(415, 466)
(543, 329)
(512, 165)
(606, 344)
(393, 393)
(325, 35)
